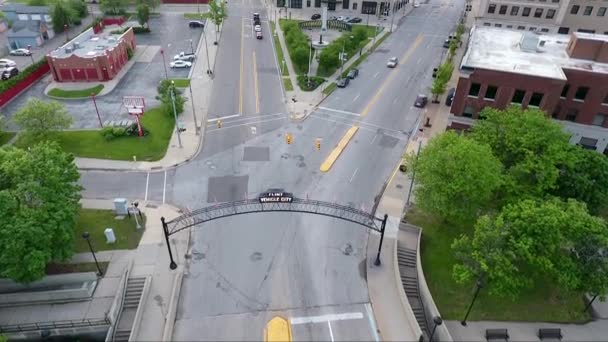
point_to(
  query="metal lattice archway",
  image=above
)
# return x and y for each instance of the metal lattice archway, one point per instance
(257, 205)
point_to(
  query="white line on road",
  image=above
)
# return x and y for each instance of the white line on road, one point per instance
(353, 176)
(376, 74)
(147, 181)
(164, 186)
(245, 124)
(419, 60)
(356, 97)
(326, 318)
(331, 333)
(224, 117)
(253, 117)
(362, 125)
(373, 139)
(372, 322)
(339, 111)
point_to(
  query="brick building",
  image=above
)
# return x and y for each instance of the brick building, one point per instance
(565, 76)
(91, 57)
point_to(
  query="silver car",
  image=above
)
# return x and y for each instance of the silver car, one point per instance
(392, 62)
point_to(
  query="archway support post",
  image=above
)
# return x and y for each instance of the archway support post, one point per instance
(172, 265)
(382, 228)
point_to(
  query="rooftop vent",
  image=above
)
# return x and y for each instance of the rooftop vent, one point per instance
(529, 42)
(111, 39)
(100, 47)
(68, 49)
(76, 45)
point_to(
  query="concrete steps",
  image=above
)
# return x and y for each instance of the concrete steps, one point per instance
(135, 287)
(407, 259)
(122, 335)
(133, 293)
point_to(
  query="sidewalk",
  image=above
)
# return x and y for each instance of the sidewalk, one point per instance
(195, 109)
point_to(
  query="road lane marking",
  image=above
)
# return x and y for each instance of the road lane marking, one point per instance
(361, 124)
(331, 333)
(356, 97)
(147, 182)
(277, 329)
(326, 318)
(372, 322)
(376, 74)
(373, 139)
(338, 111)
(333, 155)
(388, 80)
(353, 176)
(247, 118)
(242, 62)
(255, 85)
(164, 186)
(244, 124)
(224, 117)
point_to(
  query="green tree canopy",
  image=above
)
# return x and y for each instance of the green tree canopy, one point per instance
(217, 13)
(39, 197)
(79, 7)
(112, 7)
(143, 14)
(456, 177)
(38, 119)
(150, 3)
(62, 15)
(164, 96)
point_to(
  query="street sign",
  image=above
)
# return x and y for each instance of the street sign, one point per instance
(276, 197)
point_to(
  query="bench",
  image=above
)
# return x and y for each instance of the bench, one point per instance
(550, 334)
(497, 335)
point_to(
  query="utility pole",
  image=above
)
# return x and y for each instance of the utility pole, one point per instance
(193, 110)
(309, 64)
(179, 138)
(392, 16)
(209, 72)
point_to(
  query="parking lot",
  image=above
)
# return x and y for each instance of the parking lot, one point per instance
(170, 32)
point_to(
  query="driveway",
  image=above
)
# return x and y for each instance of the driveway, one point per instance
(170, 32)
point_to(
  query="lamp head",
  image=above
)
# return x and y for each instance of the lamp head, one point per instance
(86, 235)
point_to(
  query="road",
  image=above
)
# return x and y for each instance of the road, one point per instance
(245, 269)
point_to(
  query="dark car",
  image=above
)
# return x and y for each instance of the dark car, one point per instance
(9, 72)
(421, 101)
(315, 16)
(343, 82)
(353, 73)
(256, 16)
(355, 20)
(196, 23)
(450, 97)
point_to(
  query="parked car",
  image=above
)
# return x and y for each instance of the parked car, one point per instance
(258, 28)
(9, 72)
(315, 16)
(340, 18)
(333, 17)
(20, 52)
(5, 63)
(421, 101)
(196, 23)
(416, 4)
(353, 73)
(343, 82)
(450, 97)
(180, 64)
(183, 56)
(258, 35)
(392, 62)
(256, 16)
(355, 20)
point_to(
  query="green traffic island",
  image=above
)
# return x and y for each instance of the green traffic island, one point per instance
(309, 83)
(287, 84)
(96, 221)
(75, 94)
(61, 268)
(330, 88)
(197, 16)
(279, 51)
(366, 54)
(181, 82)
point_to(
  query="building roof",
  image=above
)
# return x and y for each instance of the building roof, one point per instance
(88, 45)
(527, 53)
(23, 33)
(20, 8)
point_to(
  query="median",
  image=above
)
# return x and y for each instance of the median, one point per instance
(75, 93)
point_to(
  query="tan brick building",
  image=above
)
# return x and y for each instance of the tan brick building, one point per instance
(91, 57)
(565, 76)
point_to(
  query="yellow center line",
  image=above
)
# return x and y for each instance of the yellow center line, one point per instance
(404, 58)
(278, 329)
(255, 85)
(242, 66)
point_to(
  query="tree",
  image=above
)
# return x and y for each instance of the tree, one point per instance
(39, 196)
(150, 3)
(438, 88)
(164, 96)
(38, 119)
(217, 13)
(62, 15)
(79, 7)
(456, 177)
(359, 34)
(532, 240)
(300, 58)
(37, 3)
(112, 7)
(143, 14)
(529, 145)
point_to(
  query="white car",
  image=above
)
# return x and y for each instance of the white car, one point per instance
(5, 63)
(180, 64)
(257, 28)
(20, 52)
(392, 62)
(416, 4)
(340, 18)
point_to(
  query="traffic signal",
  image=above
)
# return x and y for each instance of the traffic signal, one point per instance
(288, 138)
(219, 123)
(318, 144)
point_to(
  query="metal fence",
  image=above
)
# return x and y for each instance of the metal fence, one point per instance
(13, 328)
(331, 24)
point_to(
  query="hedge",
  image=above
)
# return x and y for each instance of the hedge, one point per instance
(6, 85)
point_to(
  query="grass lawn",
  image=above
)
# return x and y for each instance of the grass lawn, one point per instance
(542, 303)
(53, 268)
(152, 147)
(6, 137)
(96, 221)
(330, 88)
(181, 82)
(287, 84)
(74, 94)
(196, 16)
(278, 50)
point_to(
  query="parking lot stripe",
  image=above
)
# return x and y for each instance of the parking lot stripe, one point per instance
(326, 318)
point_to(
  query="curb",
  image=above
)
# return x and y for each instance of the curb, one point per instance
(172, 311)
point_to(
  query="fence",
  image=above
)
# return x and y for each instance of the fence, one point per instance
(185, 1)
(331, 24)
(9, 94)
(53, 325)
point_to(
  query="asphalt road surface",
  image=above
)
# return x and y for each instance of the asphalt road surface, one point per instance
(246, 269)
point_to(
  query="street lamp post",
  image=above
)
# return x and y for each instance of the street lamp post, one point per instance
(191, 47)
(96, 109)
(65, 28)
(209, 72)
(438, 321)
(589, 304)
(87, 237)
(29, 48)
(179, 138)
(162, 53)
(193, 109)
(478, 286)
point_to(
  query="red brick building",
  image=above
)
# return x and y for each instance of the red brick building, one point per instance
(565, 76)
(91, 57)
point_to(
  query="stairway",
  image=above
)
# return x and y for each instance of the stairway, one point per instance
(407, 260)
(135, 288)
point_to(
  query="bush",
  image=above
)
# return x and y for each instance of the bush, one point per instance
(129, 52)
(140, 30)
(6, 85)
(315, 81)
(107, 133)
(297, 45)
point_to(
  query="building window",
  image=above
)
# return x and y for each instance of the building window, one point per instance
(535, 99)
(468, 111)
(492, 8)
(565, 90)
(588, 143)
(345, 4)
(355, 6)
(491, 92)
(296, 3)
(556, 1)
(572, 114)
(307, 3)
(518, 96)
(503, 9)
(22, 16)
(514, 10)
(574, 9)
(545, 30)
(521, 27)
(538, 13)
(563, 30)
(601, 11)
(581, 93)
(588, 10)
(509, 26)
(532, 28)
(585, 31)
(497, 25)
(599, 119)
(487, 24)
(550, 14)
(526, 12)
(474, 90)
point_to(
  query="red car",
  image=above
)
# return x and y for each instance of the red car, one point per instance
(258, 35)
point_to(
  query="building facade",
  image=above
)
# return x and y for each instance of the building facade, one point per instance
(348, 7)
(91, 57)
(545, 16)
(566, 77)
(31, 25)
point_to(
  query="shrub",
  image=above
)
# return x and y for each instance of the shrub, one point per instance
(118, 131)
(315, 81)
(5, 85)
(133, 130)
(107, 133)
(297, 45)
(129, 52)
(140, 30)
